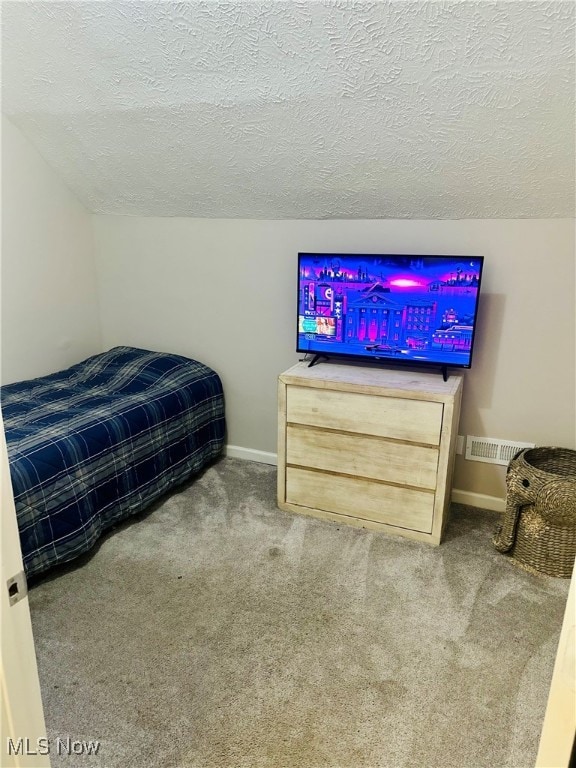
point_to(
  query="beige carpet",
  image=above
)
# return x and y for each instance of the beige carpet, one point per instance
(219, 632)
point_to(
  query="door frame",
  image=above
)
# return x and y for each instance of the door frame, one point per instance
(23, 729)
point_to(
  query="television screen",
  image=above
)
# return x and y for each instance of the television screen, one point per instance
(416, 309)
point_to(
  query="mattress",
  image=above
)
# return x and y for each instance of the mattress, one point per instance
(101, 441)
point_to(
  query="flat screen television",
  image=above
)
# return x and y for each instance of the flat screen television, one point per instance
(412, 309)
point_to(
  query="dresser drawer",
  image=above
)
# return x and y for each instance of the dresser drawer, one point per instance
(360, 498)
(362, 456)
(398, 418)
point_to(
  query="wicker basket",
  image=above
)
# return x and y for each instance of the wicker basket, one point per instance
(539, 526)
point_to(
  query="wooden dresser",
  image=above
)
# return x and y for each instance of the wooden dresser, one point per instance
(368, 446)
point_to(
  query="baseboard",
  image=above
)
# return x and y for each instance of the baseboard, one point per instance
(469, 498)
(249, 454)
(494, 503)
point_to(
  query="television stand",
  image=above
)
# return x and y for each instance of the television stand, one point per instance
(368, 446)
(316, 359)
(319, 356)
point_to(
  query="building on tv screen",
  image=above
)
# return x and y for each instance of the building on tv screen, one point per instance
(418, 308)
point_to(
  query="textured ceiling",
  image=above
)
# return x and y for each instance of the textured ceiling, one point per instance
(300, 109)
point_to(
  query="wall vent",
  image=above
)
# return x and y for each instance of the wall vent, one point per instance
(491, 450)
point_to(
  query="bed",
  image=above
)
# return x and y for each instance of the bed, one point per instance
(101, 441)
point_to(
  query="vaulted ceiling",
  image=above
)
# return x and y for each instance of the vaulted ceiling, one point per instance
(300, 108)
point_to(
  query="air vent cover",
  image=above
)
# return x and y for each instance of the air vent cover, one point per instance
(491, 450)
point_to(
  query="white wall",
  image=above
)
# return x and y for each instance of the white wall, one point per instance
(224, 291)
(49, 297)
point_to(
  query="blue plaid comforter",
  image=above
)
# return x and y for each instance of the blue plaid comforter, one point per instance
(102, 440)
